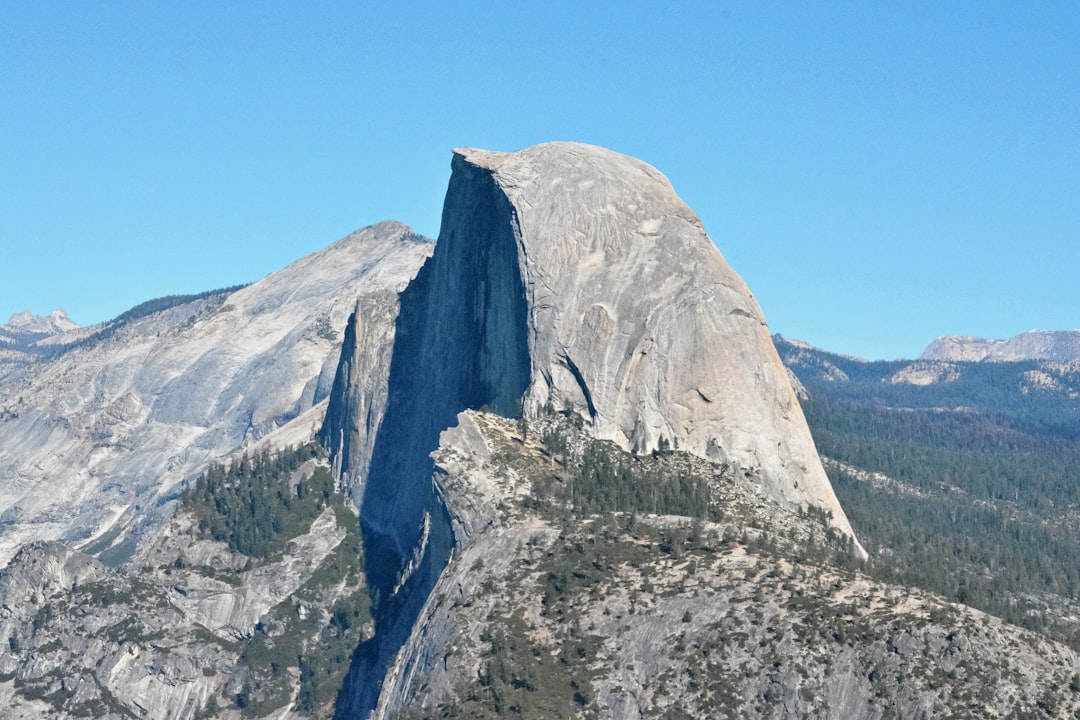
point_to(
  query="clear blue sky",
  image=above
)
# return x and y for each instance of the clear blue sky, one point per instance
(879, 173)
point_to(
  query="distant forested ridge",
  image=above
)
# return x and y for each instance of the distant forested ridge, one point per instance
(167, 302)
(145, 309)
(960, 477)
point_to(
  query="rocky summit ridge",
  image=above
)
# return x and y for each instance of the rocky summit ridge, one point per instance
(28, 323)
(1062, 346)
(25, 332)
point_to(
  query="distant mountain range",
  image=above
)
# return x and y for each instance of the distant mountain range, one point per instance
(1061, 346)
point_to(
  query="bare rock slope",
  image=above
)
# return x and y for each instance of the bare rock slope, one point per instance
(94, 438)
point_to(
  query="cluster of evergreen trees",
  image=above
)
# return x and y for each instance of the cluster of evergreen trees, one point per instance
(150, 307)
(596, 476)
(251, 505)
(256, 504)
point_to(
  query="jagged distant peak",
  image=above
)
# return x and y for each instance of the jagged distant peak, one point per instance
(1054, 345)
(54, 323)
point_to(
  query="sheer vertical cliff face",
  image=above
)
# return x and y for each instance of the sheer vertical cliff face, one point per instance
(636, 320)
(358, 398)
(460, 343)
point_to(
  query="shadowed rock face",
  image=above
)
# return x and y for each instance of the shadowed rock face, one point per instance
(460, 342)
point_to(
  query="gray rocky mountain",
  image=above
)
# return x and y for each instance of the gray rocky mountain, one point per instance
(585, 488)
(565, 276)
(1061, 346)
(26, 327)
(96, 439)
(571, 276)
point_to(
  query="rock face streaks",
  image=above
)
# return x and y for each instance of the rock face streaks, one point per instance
(636, 320)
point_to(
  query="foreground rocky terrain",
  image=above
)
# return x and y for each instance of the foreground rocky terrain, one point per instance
(200, 625)
(763, 613)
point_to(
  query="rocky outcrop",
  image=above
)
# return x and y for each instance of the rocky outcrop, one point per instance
(926, 372)
(26, 327)
(1056, 346)
(199, 631)
(120, 419)
(358, 399)
(81, 639)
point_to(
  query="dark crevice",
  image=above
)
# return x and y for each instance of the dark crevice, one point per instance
(581, 384)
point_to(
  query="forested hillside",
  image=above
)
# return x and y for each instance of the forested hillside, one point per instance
(563, 599)
(958, 477)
